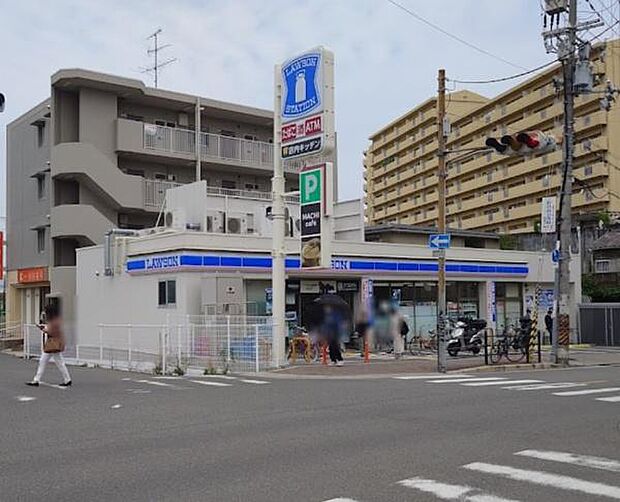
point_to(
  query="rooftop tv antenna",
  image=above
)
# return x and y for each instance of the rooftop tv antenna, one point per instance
(155, 53)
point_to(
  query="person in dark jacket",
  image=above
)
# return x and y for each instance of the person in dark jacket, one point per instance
(332, 322)
(549, 325)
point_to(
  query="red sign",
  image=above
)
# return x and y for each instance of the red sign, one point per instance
(1, 255)
(302, 129)
(31, 275)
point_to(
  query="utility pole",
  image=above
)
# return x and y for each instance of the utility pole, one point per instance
(563, 41)
(278, 253)
(441, 221)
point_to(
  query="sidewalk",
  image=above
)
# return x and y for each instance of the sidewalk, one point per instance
(386, 365)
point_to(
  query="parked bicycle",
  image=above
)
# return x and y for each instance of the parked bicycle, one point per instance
(418, 344)
(513, 345)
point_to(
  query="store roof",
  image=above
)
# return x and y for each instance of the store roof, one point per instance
(611, 240)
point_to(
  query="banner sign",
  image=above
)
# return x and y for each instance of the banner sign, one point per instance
(547, 215)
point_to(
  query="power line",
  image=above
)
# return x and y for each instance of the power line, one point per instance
(502, 79)
(451, 35)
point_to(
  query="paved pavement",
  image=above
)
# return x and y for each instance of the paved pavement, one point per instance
(529, 436)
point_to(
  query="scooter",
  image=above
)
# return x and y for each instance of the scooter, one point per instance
(467, 335)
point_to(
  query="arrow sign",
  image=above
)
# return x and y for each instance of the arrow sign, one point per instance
(439, 241)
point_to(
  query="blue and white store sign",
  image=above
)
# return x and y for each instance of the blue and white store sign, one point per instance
(302, 79)
(361, 266)
(307, 109)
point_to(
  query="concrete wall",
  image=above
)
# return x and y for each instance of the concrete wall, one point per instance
(24, 208)
(98, 112)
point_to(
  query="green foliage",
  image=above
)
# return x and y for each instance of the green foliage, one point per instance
(508, 242)
(599, 292)
(158, 370)
(604, 217)
(178, 371)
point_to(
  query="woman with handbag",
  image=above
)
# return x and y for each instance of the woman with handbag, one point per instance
(53, 346)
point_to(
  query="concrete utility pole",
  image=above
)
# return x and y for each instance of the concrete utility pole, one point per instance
(441, 222)
(278, 253)
(197, 138)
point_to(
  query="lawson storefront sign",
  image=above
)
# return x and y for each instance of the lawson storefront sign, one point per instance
(183, 261)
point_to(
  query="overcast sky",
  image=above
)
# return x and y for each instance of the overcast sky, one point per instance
(386, 61)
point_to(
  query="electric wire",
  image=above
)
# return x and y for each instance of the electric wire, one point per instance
(451, 35)
(503, 79)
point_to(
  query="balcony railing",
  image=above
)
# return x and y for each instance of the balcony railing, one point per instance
(212, 146)
(155, 193)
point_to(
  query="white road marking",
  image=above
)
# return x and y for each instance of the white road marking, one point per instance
(257, 382)
(151, 382)
(587, 391)
(605, 464)
(461, 380)
(167, 377)
(139, 391)
(25, 399)
(424, 377)
(446, 491)
(126, 379)
(53, 385)
(547, 479)
(116, 406)
(340, 499)
(213, 384)
(612, 399)
(223, 377)
(501, 382)
(545, 386)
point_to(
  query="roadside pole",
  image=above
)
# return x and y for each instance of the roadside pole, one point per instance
(278, 253)
(563, 298)
(441, 222)
(197, 139)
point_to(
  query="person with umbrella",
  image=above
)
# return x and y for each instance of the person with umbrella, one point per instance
(335, 312)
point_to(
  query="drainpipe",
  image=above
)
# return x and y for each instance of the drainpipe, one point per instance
(107, 247)
(197, 138)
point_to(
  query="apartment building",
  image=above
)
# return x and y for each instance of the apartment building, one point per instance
(490, 192)
(100, 154)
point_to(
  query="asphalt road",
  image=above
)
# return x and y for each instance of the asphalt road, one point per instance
(124, 436)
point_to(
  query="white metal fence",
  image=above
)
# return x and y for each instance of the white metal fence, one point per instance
(217, 146)
(213, 343)
(155, 192)
(11, 332)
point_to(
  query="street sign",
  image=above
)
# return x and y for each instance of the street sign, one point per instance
(301, 129)
(311, 219)
(547, 215)
(302, 79)
(302, 148)
(555, 255)
(439, 241)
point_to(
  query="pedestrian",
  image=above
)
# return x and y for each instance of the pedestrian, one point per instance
(398, 330)
(362, 328)
(331, 331)
(549, 325)
(53, 346)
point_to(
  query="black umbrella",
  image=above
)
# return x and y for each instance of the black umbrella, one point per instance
(332, 300)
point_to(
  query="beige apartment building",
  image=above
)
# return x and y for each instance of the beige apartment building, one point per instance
(491, 192)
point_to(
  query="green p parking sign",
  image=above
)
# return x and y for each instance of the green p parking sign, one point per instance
(310, 183)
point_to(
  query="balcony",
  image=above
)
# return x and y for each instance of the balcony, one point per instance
(171, 142)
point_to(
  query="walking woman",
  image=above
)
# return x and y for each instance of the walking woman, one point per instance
(53, 346)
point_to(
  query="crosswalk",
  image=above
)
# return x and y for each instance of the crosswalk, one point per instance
(595, 390)
(585, 485)
(185, 383)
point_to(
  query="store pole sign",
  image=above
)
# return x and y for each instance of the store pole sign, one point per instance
(547, 215)
(311, 191)
(307, 104)
(491, 305)
(32, 275)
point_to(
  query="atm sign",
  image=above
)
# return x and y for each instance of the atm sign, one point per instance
(302, 128)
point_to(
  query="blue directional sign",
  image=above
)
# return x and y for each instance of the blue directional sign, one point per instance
(302, 80)
(555, 256)
(439, 241)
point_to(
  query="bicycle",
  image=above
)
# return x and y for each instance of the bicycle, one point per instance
(518, 342)
(301, 344)
(417, 343)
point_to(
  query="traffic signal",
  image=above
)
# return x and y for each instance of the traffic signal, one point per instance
(523, 143)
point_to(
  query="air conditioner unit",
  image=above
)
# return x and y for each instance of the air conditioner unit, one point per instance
(215, 222)
(234, 226)
(175, 219)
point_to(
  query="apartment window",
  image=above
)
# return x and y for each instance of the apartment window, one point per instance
(230, 185)
(167, 293)
(164, 123)
(41, 187)
(40, 240)
(601, 266)
(587, 170)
